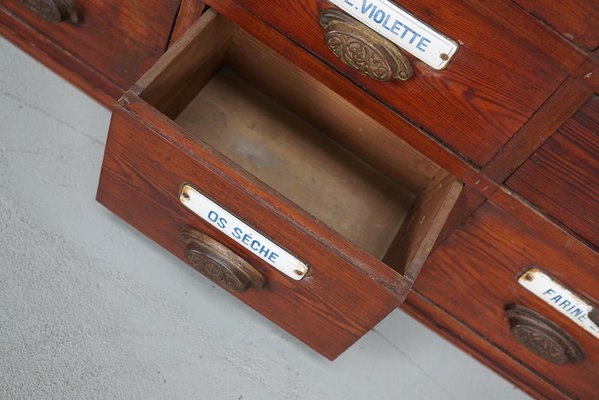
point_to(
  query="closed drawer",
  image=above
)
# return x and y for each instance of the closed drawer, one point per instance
(284, 166)
(482, 261)
(562, 177)
(119, 39)
(506, 66)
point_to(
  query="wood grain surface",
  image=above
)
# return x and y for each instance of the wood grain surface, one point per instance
(577, 21)
(189, 12)
(508, 64)
(473, 275)
(339, 301)
(562, 104)
(562, 177)
(58, 59)
(460, 334)
(425, 222)
(404, 129)
(300, 162)
(191, 68)
(119, 40)
(150, 156)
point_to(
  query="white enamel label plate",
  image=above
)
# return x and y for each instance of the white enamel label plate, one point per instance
(403, 29)
(242, 233)
(560, 298)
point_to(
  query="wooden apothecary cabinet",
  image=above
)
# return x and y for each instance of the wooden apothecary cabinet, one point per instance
(354, 178)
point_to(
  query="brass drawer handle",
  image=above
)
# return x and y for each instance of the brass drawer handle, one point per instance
(363, 49)
(542, 337)
(218, 263)
(594, 316)
(54, 11)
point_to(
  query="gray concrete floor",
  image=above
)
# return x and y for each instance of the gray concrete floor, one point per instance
(90, 309)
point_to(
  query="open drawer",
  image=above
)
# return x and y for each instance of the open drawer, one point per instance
(273, 186)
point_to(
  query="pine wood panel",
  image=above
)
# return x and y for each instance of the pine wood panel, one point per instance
(120, 40)
(411, 134)
(473, 275)
(56, 58)
(557, 109)
(562, 177)
(329, 310)
(460, 334)
(184, 75)
(578, 20)
(507, 66)
(189, 12)
(159, 141)
(295, 158)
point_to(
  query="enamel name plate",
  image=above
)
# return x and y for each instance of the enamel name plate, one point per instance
(242, 233)
(403, 29)
(560, 298)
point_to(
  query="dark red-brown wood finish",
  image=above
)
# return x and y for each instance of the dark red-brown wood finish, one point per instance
(149, 157)
(516, 106)
(562, 177)
(59, 60)
(322, 311)
(577, 21)
(462, 335)
(189, 12)
(112, 44)
(562, 101)
(417, 138)
(506, 67)
(473, 276)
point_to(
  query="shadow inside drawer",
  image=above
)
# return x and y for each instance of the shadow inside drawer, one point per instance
(299, 161)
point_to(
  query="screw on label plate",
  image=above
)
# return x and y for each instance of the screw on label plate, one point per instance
(529, 276)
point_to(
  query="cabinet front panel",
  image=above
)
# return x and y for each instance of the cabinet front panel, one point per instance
(562, 177)
(474, 277)
(506, 65)
(119, 39)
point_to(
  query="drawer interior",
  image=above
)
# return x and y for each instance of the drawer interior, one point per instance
(298, 160)
(307, 143)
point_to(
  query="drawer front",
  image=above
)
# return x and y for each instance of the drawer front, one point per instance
(197, 130)
(506, 66)
(474, 275)
(562, 177)
(119, 39)
(142, 175)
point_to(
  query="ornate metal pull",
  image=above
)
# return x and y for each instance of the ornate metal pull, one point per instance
(218, 263)
(543, 337)
(363, 49)
(54, 11)
(594, 316)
